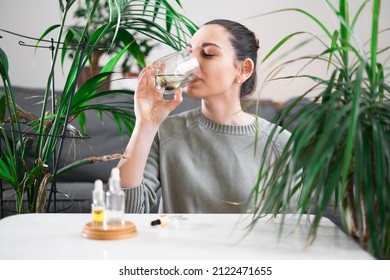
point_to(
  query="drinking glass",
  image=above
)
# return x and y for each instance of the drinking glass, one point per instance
(173, 71)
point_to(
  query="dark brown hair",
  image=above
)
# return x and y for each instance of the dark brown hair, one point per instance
(245, 45)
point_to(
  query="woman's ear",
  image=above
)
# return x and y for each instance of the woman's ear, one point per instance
(246, 69)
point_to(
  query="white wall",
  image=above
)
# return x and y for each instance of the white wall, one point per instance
(31, 18)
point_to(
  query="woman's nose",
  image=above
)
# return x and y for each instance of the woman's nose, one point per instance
(196, 55)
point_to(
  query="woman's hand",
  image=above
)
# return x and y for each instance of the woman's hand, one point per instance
(150, 106)
(151, 109)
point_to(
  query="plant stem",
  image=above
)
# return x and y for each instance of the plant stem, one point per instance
(364, 220)
(352, 207)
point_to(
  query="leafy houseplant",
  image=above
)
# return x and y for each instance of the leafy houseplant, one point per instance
(339, 153)
(113, 42)
(42, 135)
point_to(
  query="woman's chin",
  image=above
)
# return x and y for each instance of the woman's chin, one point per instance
(191, 92)
(193, 89)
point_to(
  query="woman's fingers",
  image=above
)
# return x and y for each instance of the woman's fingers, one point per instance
(141, 83)
(143, 72)
(143, 87)
(175, 101)
(150, 79)
(150, 106)
(146, 83)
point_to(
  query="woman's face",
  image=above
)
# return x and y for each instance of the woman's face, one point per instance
(217, 65)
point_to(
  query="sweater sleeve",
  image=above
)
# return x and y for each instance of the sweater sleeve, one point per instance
(142, 198)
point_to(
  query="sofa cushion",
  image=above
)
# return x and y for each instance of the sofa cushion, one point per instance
(288, 121)
(71, 198)
(265, 109)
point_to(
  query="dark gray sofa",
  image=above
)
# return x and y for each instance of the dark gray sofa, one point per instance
(75, 187)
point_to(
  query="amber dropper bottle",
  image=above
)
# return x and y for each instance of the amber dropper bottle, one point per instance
(98, 205)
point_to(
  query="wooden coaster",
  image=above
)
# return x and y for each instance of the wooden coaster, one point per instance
(110, 233)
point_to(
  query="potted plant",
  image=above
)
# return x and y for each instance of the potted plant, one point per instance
(112, 42)
(339, 153)
(30, 180)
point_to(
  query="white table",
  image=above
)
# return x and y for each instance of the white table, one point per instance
(197, 236)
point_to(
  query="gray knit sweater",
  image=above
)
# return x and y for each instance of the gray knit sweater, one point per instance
(202, 166)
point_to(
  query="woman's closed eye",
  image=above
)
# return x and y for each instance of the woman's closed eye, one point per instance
(206, 54)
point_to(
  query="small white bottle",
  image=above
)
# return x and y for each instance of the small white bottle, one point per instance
(98, 206)
(115, 200)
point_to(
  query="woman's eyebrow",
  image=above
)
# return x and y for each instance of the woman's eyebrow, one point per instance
(210, 44)
(204, 45)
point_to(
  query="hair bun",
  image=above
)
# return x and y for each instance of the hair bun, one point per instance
(257, 42)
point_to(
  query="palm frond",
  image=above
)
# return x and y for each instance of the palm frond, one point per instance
(338, 155)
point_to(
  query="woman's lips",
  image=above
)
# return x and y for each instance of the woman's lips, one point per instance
(193, 83)
(194, 80)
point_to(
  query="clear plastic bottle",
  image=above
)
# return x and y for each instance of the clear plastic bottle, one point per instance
(98, 206)
(115, 200)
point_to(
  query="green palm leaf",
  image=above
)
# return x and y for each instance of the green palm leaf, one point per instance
(338, 156)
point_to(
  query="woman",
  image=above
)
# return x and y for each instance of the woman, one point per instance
(204, 160)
